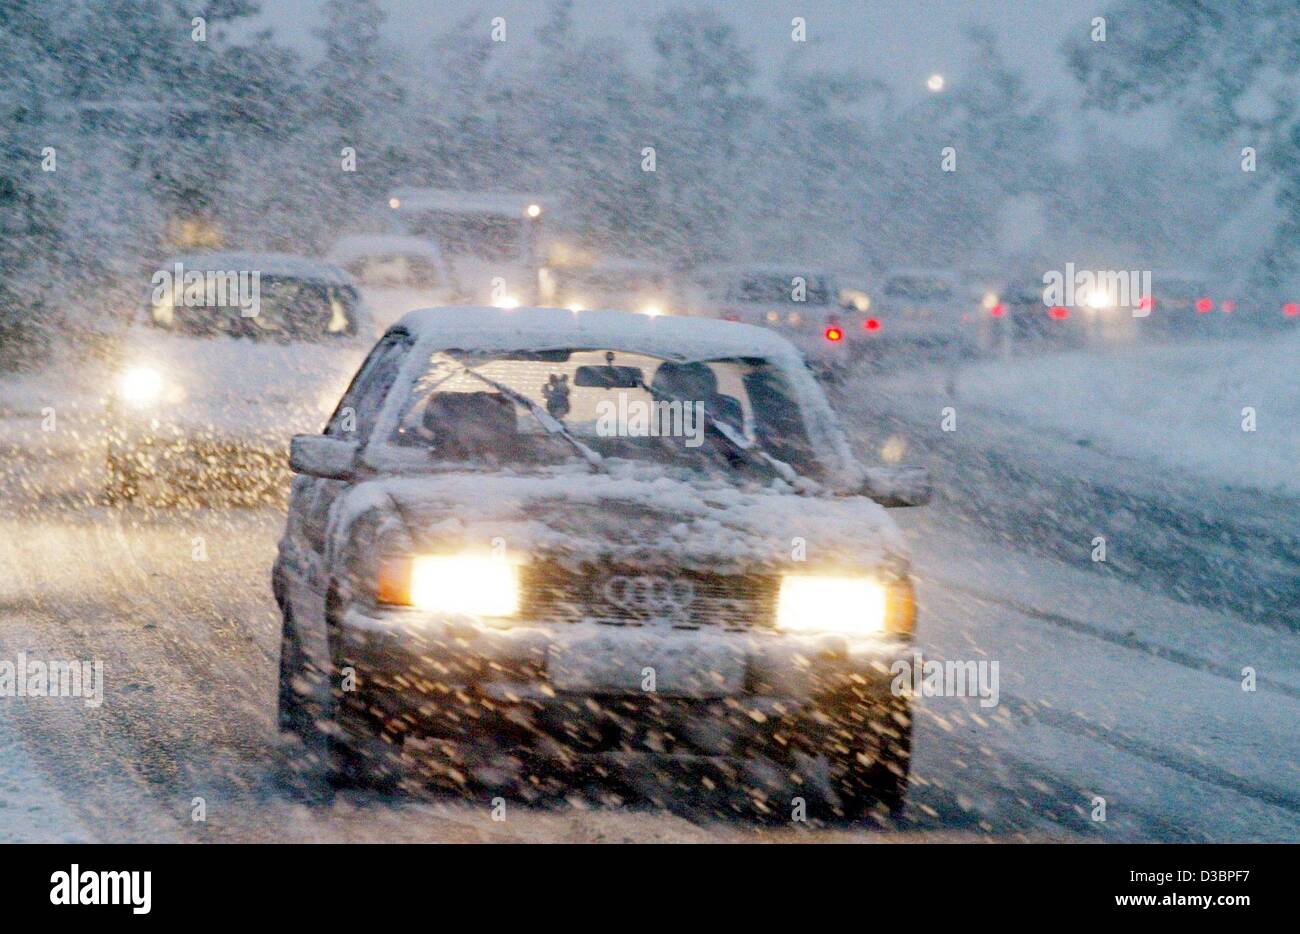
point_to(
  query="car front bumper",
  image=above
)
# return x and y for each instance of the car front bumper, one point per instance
(579, 694)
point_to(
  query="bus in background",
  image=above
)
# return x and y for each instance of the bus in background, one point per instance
(493, 239)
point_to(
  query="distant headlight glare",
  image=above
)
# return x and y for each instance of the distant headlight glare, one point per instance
(140, 386)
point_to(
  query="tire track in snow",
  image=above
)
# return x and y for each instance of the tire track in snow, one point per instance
(1123, 640)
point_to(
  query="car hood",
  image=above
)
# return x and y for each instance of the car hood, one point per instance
(242, 387)
(627, 517)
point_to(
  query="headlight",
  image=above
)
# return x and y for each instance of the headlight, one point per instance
(652, 310)
(468, 585)
(140, 386)
(859, 606)
(1096, 299)
(507, 301)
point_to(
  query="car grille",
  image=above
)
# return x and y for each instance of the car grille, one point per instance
(633, 596)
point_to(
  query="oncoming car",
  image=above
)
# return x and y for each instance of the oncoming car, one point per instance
(557, 546)
(399, 273)
(393, 261)
(630, 284)
(232, 352)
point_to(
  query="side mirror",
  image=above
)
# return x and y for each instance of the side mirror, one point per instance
(324, 457)
(898, 486)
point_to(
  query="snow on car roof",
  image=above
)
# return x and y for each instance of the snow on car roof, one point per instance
(285, 265)
(666, 336)
(355, 246)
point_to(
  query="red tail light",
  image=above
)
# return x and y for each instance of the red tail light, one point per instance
(834, 334)
(871, 324)
(1291, 309)
(1204, 305)
(1146, 304)
(1228, 307)
(998, 310)
(1059, 312)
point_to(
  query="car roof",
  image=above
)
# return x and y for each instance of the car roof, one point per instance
(671, 337)
(285, 265)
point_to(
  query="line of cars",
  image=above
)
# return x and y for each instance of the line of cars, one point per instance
(487, 582)
(979, 312)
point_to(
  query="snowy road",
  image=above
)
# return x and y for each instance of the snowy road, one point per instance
(1108, 688)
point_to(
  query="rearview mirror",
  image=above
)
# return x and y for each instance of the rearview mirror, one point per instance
(322, 456)
(898, 486)
(609, 377)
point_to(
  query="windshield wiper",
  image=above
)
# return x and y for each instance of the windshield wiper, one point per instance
(739, 443)
(549, 423)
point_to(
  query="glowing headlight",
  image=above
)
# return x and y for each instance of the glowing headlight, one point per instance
(1097, 299)
(506, 301)
(849, 605)
(472, 586)
(652, 310)
(140, 385)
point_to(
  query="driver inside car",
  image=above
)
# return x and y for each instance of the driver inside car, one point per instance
(696, 382)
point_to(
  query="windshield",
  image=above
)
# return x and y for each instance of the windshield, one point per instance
(475, 409)
(781, 289)
(274, 308)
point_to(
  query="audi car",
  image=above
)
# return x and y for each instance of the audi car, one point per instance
(231, 353)
(535, 549)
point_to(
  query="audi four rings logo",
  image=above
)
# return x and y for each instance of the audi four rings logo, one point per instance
(650, 595)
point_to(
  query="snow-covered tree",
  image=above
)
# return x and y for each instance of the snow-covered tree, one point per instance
(31, 202)
(1233, 67)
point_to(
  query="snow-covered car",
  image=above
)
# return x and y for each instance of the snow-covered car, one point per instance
(507, 569)
(931, 308)
(394, 261)
(1021, 319)
(231, 353)
(399, 273)
(611, 283)
(1183, 304)
(801, 302)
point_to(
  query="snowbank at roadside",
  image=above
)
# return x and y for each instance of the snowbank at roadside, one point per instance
(31, 811)
(1180, 405)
